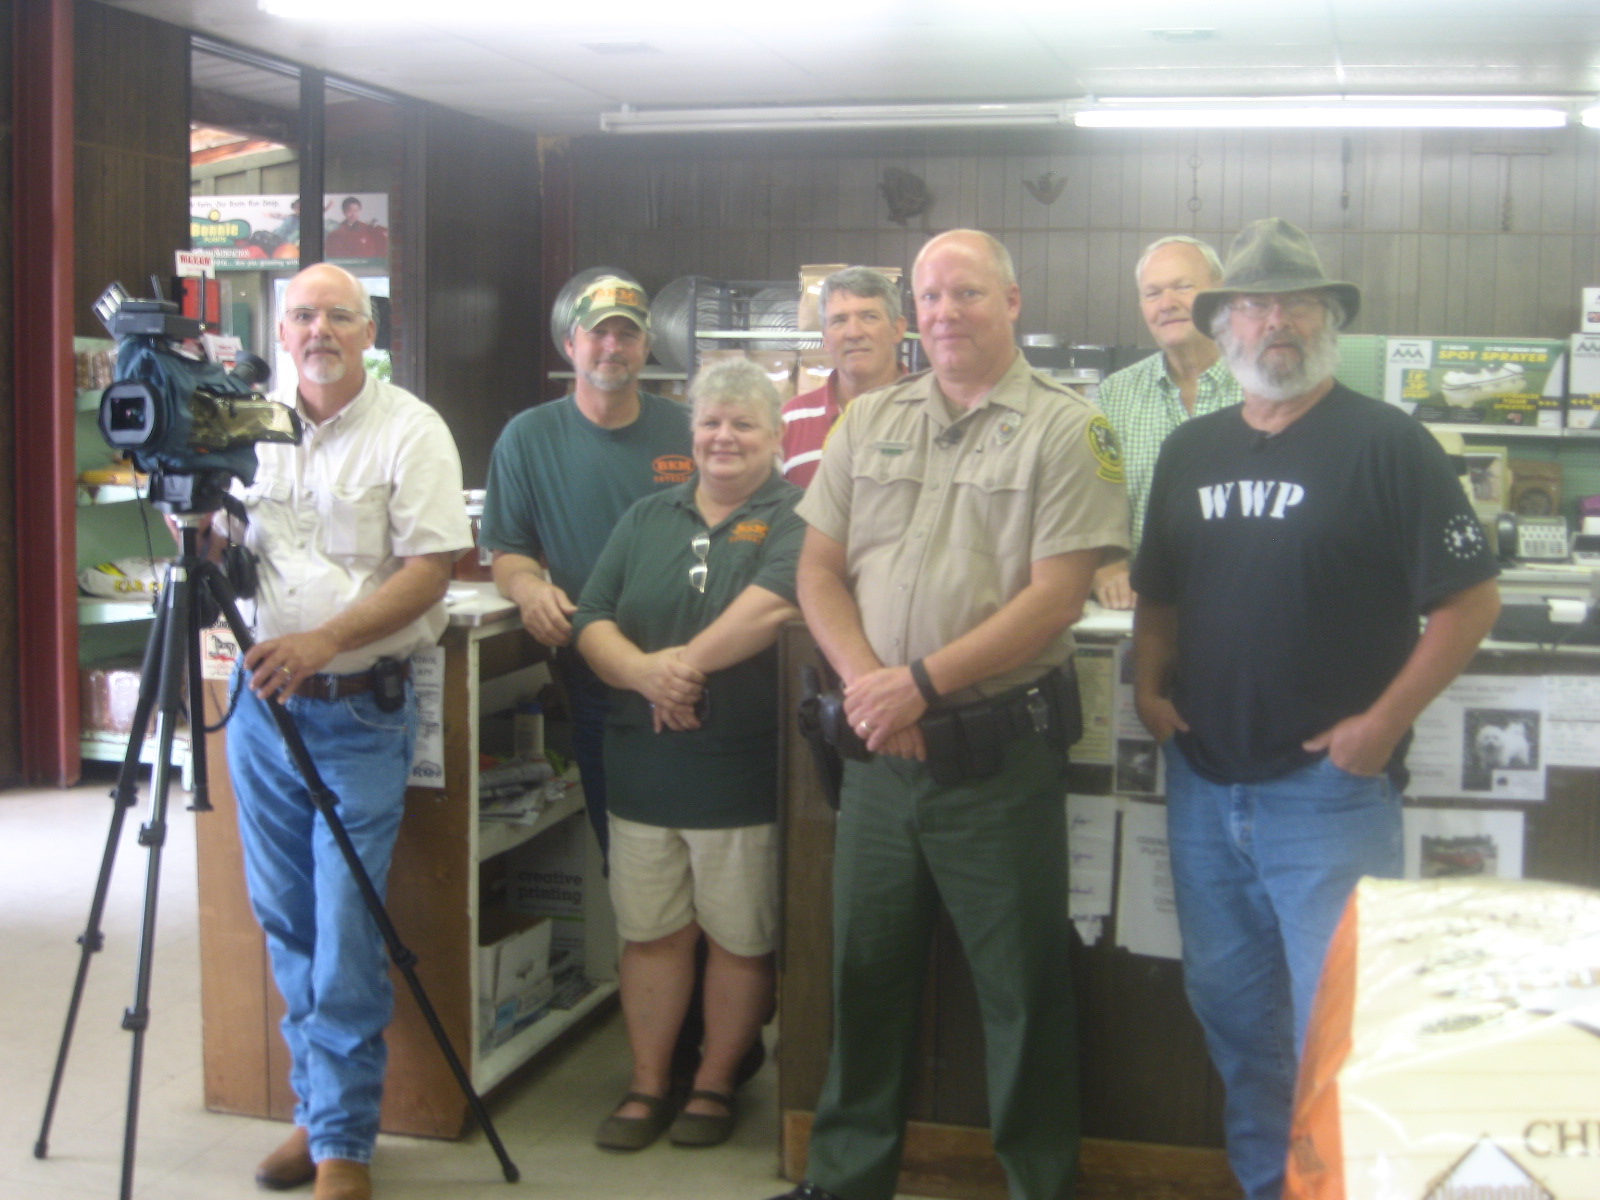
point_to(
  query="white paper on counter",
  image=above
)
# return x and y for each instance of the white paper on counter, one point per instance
(1482, 739)
(1462, 842)
(1147, 918)
(1091, 851)
(427, 677)
(1572, 733)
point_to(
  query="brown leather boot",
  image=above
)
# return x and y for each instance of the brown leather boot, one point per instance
(289, 1166)
(342, 1179)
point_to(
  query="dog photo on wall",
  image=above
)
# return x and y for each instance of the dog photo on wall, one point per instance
(1498, 741)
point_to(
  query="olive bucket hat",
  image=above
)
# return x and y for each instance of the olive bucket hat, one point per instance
(1270, 257)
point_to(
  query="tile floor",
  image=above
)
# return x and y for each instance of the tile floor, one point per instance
(51, 845)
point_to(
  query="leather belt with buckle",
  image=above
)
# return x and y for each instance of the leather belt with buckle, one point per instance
(337, 687)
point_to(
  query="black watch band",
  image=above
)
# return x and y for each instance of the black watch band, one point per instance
(919, 676)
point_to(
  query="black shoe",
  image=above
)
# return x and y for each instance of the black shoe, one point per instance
(806, 1191)
(754, 1059)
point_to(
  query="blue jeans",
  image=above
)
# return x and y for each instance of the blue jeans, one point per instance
(328, 958)
(1261, 873)
(590, 698)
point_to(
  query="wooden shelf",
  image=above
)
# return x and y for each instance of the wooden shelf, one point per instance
(496, 837)
(93, 610)
(493, 1066)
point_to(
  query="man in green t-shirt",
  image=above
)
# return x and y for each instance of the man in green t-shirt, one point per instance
(561, 476)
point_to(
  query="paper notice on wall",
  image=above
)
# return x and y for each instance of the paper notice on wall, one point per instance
(1139, 768)
(1482, 739)
(1097, 673)
(1091, 854)
(1463, 843)
(1572, 727)
(427, 677)
(219, 649)
(1147, 917)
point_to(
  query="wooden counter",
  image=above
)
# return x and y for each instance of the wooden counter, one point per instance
(1152, 1105)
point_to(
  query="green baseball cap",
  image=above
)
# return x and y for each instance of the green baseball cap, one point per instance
(610, 296)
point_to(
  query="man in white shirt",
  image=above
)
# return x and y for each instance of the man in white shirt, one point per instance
(356, 529)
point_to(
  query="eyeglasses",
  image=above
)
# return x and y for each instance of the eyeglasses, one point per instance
(701, 545)
(1292, 306)
(304, 317)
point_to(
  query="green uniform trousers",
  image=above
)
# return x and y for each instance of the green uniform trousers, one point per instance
(994, 850)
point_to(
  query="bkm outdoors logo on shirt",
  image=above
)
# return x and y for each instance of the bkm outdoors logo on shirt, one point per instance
(749, 531)
(672, 468)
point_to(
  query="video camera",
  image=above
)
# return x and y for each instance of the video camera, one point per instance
(187, 422)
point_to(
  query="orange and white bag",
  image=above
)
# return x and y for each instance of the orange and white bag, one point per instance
(1454, 1047)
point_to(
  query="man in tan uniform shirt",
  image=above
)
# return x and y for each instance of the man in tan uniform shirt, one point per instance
(956, 523)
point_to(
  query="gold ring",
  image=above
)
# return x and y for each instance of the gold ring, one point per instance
(287, 670)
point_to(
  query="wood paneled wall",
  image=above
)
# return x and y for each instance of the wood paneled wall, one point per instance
(132, 192)
(10, 733)
(1468, 233)
(480, 279)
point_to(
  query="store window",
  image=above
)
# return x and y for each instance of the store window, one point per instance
(258, 143)
(364, 212)
(244, 185)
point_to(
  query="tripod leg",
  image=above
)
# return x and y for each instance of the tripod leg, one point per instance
(125, 795)
(200, 798)
(326, 804)
(177, 602)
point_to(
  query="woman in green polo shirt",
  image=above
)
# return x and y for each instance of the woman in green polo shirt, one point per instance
(680, 617)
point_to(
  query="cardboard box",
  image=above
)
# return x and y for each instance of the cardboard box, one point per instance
(513, 956)
(1583, 389)
(1477, 381)
(546, 878)
(1590, 316)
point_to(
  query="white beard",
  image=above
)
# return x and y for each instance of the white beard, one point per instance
(322, 370)
(1277, 382)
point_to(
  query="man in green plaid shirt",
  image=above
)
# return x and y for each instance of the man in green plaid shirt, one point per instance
(1150, 399)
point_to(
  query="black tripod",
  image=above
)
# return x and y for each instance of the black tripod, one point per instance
(193, 593)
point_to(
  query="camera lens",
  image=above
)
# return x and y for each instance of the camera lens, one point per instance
(127, 414)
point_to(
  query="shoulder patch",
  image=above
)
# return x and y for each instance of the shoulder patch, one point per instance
(1106, 449)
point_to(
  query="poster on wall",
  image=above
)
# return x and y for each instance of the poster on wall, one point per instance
(1091, 862)
(1140, 770)
(1453, 843)
(258, 233)
(1482, 739)
(1147, 911)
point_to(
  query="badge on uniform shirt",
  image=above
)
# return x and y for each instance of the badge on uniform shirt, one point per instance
(749, 531)
(893, 449)
(1106, 449)
(1007, 430)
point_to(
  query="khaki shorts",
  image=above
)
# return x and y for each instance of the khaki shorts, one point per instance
(724, 879)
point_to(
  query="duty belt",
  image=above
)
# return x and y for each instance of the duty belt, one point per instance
(968, 742)
(963, 743)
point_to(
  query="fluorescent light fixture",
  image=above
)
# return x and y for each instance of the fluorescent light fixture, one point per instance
(844, 116)
(1321, 113)
(1591, 116)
